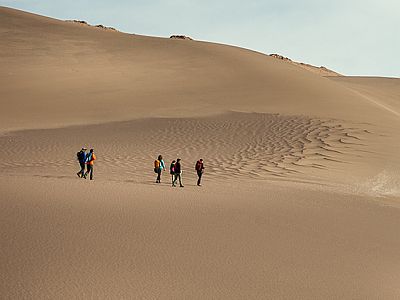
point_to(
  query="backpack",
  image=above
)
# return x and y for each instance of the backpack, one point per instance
(156, 164)
(80, 156)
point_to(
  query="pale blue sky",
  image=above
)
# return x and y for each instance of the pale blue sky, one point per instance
(353, 37)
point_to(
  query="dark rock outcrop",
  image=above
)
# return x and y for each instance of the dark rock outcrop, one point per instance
(181, 37)
(87, 24)
(281, 57)
(323, 71)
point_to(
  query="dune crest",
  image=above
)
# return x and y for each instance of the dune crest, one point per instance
(323, 71)
(87, 24)
(181, 37)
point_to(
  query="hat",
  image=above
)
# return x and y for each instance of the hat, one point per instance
(83, 148)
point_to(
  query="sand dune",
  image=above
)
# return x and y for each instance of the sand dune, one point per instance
(52, 68)
(300, 194)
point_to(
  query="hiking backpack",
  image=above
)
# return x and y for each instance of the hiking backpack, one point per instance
(156, 164)
(80, 156)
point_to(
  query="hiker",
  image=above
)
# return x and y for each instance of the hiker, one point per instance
(159, 166)
(172, 171)
(178, 173)
(200, 170)
(81, 156)
(91, 157)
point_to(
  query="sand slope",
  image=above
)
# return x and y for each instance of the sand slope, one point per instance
(124, 241)
(381, 91)
(74, 74)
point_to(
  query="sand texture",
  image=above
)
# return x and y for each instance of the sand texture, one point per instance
(300, 196)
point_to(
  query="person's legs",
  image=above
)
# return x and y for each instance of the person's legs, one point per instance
(88, 168)
(199, 174)
(81, 173)
(175, 179)
(87, 171)
(180, 180)
(158, 176)
(91, 172)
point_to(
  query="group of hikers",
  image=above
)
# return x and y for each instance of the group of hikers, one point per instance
(86, 161)
(175, 170)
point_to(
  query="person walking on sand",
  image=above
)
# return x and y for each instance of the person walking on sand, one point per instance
(200, 170)
(81, 156)
(159, 166)
(91, 157)
(172, 171)
(178, 173)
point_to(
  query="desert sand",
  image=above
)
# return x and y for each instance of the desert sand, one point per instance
(300, 196)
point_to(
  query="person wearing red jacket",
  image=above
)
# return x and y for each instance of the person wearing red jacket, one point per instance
(200, 170)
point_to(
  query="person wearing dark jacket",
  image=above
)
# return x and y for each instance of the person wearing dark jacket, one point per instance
(81, 156)
(200, 170)
(178, 173)
(172, 171)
